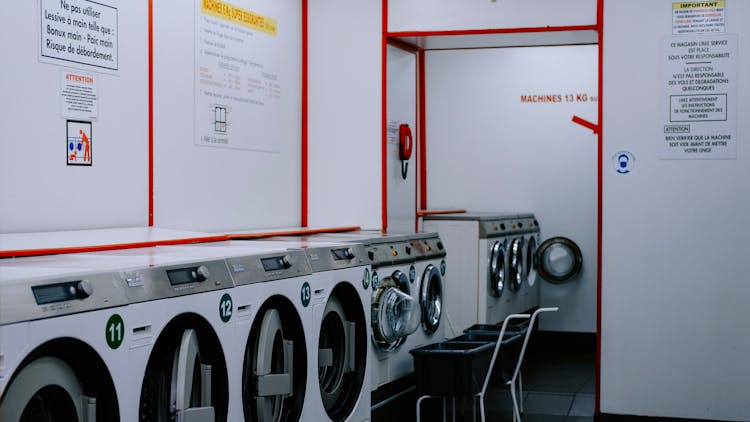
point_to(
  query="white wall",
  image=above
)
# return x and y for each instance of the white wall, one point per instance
(675, 332)
(401, 100)
(345, 130)
(38, 190)
(443, 15)
(489, 151)
(214, 189)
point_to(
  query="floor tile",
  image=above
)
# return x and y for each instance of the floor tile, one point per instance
(583, 405)
(579, 419)
(547, 403)
(542, 418)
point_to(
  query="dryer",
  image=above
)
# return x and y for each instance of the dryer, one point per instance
(339, 297)
(429, 288)
(177, 334)
(61, 340)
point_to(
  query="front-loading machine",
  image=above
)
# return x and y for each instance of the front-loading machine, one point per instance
(271, 377)
(62, 355)
(339, 297)
(177, 333)
(500, 257)
(429, 288)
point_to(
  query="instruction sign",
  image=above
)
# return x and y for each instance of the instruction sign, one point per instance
(78, 95)
(698, 17)
(699, 100)
(78, 31)
(78, 143)
(238, 77)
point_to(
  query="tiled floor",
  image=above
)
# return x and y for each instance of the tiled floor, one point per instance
(558, 381)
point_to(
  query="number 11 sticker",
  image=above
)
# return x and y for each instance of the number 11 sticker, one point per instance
(114, 331)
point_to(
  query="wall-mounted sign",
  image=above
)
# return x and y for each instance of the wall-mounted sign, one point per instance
(78, 32)
(623, 162)
(698, 17)
(78, 95)
(699, 97)
(79, 143)
(239, 79)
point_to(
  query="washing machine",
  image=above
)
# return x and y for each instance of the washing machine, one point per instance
(502, 261)
(339, 296)
(429, 288)
(177, 333)
(62, 354)
(271, 377)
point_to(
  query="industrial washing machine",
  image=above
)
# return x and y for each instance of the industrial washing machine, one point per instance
(498, 256)
(428, 288)
(271, 377)
(61, 340)
(177, 334)
(339, 296)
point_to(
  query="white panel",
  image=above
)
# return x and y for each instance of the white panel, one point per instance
(488, 151)
(212, 189)
(443, 15)
(38, 190)
(402, 107)
(675, 333)
(345, 113)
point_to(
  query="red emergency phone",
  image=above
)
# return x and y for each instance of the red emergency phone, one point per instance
(404, 148)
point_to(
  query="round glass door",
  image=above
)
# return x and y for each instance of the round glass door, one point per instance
(497, 273)
(558, 259)
(530, 254)
(395, 314)
(516, 264)
(431, 298)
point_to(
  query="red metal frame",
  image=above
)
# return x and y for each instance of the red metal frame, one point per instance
(150, 113)
(422, 113)
(597, 128)
(301, 232)
(383, 123)
(304, 158)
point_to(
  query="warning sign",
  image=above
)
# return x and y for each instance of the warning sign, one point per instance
(698, 17)
(78, 95)
(79, 143)
(699, 103)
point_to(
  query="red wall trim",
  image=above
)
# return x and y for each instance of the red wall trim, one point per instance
(585, 123)
(599, 211)
(492, 31)
(303, 232)
(304, 158)
(81, 249)
(402, 45)
(150, 113)
(422, 125)
(383, 150)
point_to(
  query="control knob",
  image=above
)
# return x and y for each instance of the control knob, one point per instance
(202, 273)
(285, 262)
(84, 289)
(348, 253)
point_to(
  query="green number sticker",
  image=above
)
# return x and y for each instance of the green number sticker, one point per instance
(412, 274)
(225, 307)
(305, 294)
(442, 267)
(375, 280)
(114, 331)
(366, 279)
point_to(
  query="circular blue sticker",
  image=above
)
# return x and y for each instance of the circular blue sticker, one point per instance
(623, 162)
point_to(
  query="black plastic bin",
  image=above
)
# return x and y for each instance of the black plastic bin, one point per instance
(509, 351)
(513, 327)
(452, 368)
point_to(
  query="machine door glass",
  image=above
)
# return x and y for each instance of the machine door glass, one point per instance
(530, 254)
(558, 260)
(46, 389)
(395, 313)
(342, 352)
(497, 269)
(431, 298)
(273, 367)
(516, 264)
(190, 392)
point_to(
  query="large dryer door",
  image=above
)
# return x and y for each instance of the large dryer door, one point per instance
(558, 260)
(395, 314)
(498, 269)
(431, 298)
(46, 389)
(342, 352)
(516, 264)
(273, 368)
(530, 268)
(191, 385)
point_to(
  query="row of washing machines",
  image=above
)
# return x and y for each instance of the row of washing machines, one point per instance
(266, 330)
(285, 328)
